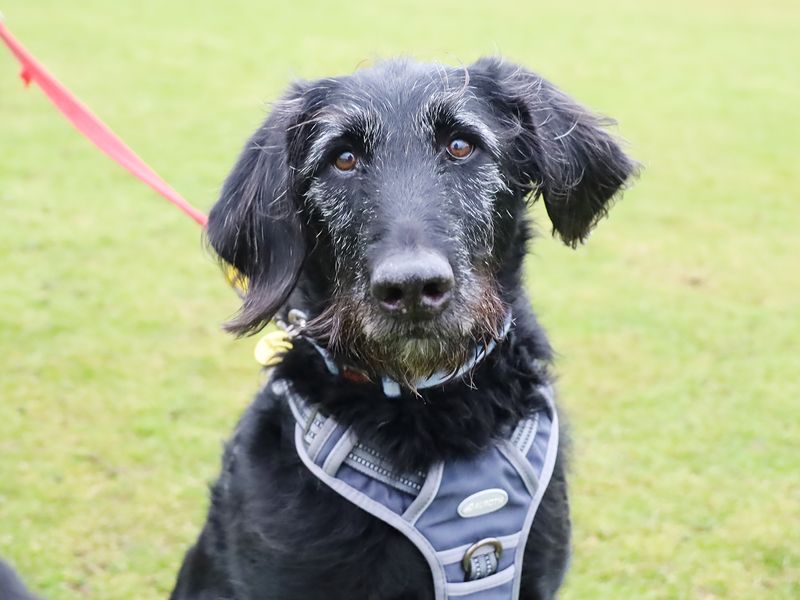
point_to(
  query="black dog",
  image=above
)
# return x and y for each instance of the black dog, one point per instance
(390, 206)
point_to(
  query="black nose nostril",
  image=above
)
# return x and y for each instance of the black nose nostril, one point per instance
(435, 293)
(432, 290)
(391, 296)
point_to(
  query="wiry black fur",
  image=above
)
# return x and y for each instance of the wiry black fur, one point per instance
(274, 531)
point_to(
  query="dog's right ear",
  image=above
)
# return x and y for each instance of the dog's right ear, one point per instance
(558, 145)
(256, 224)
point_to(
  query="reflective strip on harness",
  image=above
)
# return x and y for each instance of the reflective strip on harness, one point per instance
(470, 519)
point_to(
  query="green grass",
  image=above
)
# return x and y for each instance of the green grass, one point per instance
(678, 325)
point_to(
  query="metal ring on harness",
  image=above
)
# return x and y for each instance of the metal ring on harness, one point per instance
(297, 318)
(466, 562)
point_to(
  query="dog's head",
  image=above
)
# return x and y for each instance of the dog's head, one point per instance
(392, 201)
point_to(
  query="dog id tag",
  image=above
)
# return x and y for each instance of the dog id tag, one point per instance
(271, 346)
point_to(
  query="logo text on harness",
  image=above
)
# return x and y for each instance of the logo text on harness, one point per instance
(482, 503)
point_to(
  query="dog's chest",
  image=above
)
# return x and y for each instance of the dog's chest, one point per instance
(295, 538)
(295, 524)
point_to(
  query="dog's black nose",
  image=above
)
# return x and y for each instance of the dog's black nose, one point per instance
(416, 283)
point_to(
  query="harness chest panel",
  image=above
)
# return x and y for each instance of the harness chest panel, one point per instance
(470, 519)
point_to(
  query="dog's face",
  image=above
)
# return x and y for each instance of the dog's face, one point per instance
(395, 196)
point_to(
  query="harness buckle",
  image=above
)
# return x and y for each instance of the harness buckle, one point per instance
(466, 562)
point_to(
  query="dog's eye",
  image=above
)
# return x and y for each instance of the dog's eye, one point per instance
(459, 148)
(345, 161)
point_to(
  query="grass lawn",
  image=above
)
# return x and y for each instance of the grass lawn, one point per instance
(678, 325)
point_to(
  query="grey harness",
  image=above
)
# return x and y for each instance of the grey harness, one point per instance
(470, 519)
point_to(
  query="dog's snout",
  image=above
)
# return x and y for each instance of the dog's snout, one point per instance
(415, 283)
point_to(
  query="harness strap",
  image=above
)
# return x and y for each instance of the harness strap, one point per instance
(321, 431)
(456, 513)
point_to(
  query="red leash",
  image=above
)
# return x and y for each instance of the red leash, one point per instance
(92, 127)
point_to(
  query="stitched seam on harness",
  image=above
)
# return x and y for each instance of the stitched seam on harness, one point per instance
(400, 482)
(527, 434)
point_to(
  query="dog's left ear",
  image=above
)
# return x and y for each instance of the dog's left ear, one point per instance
(256, 225)
(556, 144)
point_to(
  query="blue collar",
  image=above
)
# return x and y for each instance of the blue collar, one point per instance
(391, 388)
